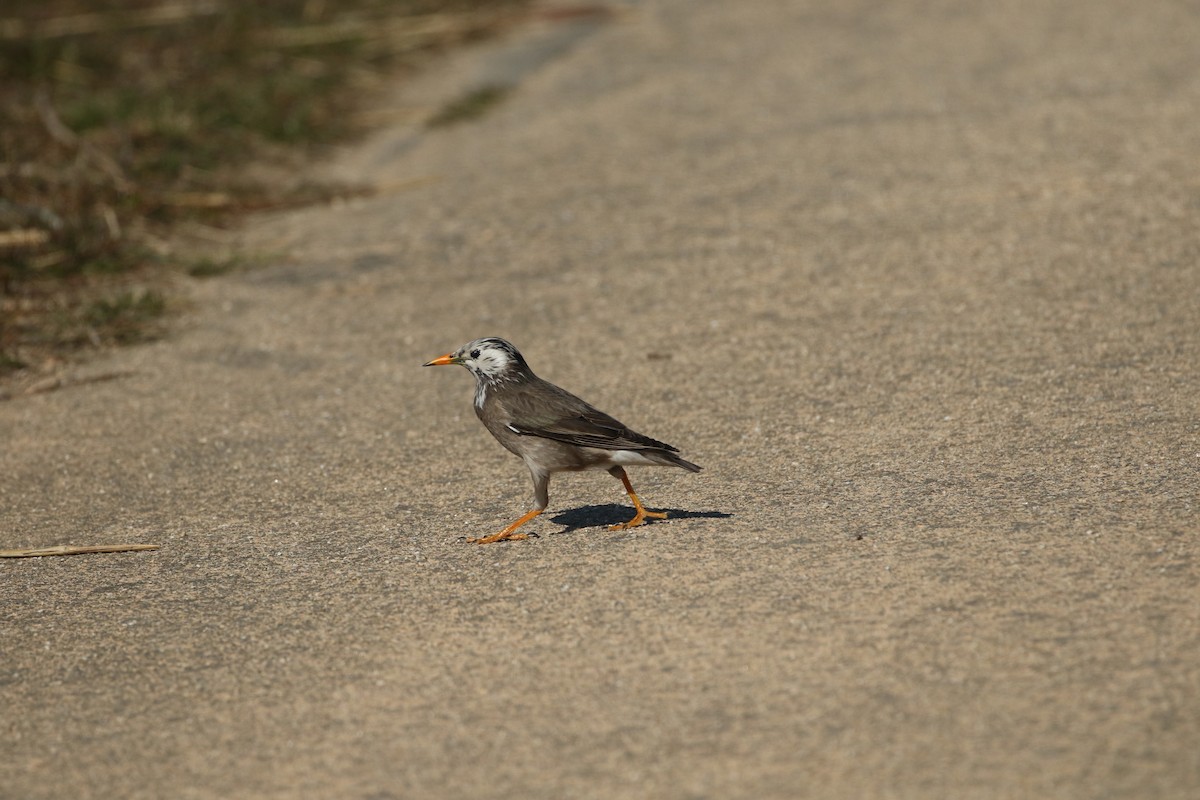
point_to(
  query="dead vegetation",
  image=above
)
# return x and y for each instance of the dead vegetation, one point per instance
(121, 120)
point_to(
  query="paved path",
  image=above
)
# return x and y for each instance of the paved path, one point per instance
(917, 284)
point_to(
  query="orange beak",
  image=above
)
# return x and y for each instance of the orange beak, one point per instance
(441, 361)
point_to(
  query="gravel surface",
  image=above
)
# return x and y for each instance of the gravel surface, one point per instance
(916, 283)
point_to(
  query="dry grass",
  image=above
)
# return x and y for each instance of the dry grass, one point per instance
(122, 119)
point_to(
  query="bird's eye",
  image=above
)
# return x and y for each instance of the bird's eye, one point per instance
(474, 354)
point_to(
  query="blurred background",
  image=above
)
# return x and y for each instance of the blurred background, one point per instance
(130, 127)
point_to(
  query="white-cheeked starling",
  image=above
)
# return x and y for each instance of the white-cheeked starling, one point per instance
(551, 429)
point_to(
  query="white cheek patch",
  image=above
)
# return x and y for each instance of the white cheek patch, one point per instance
(491, 364)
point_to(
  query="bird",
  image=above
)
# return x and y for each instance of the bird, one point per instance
(552, 430)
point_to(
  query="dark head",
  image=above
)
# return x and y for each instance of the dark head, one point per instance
(490, 360)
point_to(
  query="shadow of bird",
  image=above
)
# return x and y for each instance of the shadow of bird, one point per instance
(606, 514)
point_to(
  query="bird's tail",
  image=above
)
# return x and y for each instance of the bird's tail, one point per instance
(669, 459)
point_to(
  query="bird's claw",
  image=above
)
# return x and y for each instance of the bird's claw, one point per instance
(638, 519)
(503, 536)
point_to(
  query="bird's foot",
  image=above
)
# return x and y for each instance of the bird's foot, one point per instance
(509, 534)
(502, 536)
(638, 519)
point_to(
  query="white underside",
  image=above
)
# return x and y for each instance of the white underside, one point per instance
(628, 458)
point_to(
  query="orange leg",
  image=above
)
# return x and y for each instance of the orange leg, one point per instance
(641, 513)
(508, 533)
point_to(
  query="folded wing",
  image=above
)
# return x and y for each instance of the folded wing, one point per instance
(562, 416)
